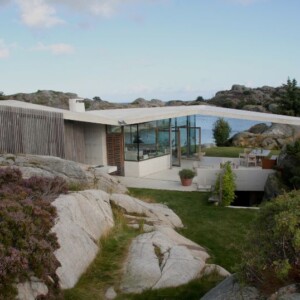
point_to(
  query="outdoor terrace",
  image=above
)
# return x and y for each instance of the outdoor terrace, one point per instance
(250, 178)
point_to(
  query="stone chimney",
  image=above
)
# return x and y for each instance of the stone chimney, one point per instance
(76, 105)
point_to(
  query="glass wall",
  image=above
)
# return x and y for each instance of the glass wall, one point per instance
(147, 140)
(152, 139)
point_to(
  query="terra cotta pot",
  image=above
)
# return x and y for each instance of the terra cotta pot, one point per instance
(186, 181)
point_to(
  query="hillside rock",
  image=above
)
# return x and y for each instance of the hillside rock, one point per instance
(83, 218)
(162, 257)
(156, 261)
(290, 292)
(268, 137)
(155, 213)
(230, 289)
(73, 172)
(30, 290)
(45, 97)
(141, 102)
(274, 187)
(262, 99)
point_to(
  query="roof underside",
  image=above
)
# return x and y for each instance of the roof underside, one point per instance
(142, 115)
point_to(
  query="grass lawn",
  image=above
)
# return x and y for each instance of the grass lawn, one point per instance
(228, 151)
(221, 230)
(105, 270)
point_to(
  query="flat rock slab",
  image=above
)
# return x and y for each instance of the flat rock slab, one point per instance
(158, 213)
(72, 172)
(155, 261)
(83, 218)
(230, 289)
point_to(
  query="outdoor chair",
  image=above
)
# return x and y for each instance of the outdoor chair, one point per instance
(251, 160)
(243, 159)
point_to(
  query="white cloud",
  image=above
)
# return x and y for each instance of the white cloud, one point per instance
(103, 8)
(56, 49)
(37, 13)
(44, 13)
(4, 50)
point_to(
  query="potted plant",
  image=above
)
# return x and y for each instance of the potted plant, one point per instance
(186, 176)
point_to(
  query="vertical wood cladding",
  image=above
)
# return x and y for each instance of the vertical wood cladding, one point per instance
(115, 151)
(74, 141)
(31, 131)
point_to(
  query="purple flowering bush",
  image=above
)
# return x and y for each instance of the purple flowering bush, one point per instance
(26, 219)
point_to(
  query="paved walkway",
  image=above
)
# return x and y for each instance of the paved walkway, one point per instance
(164, 180)
(169, 179)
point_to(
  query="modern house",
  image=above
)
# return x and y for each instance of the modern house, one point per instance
(138, 141)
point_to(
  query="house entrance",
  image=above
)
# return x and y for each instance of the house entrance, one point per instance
(115, 150)
(186, 143)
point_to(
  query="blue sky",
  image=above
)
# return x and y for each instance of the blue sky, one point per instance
(120, 50)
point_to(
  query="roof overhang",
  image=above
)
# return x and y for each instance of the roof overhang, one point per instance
(141, 115)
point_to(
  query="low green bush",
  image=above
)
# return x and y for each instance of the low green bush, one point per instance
(225, 185)
(271, 256)
(26, 219)
(187, 173)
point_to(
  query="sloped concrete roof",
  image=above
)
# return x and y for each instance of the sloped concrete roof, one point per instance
(141, 115)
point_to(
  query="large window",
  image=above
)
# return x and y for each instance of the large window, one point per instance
(147, 140)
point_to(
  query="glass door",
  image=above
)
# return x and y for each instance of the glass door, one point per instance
(176, 148)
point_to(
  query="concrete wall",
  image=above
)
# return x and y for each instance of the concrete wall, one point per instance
(247, 179)
(146, 167)
(95, 144)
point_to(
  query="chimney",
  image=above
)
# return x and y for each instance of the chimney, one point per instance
(76, 105)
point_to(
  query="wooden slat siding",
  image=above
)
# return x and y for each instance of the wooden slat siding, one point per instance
(31, 131)
(74, 141)
(115, 151)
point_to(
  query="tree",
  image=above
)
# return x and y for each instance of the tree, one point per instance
(199, 99)
(2, 95)
(221, 131)
(97, 98)
(290, 103)
(291, 165)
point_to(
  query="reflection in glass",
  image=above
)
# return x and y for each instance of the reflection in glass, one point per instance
(147, 140)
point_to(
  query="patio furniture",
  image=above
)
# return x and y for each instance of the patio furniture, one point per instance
(243, 159)
(251, 160)
(260, 154)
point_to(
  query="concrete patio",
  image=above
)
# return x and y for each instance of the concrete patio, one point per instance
(169, 179)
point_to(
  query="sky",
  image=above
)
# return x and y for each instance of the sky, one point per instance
(120, 50)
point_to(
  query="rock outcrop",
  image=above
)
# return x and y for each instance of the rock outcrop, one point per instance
(83, 218)
(30, 290)
(268, 137)
(155, 261)
(230, 289)
(162, 257)
(153, 213)
(81, 175)
(262, 99)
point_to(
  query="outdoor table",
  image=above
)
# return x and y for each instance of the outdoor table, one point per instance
(260, 153)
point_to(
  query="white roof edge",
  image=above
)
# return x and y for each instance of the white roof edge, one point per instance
(67, 114)
(142, 115)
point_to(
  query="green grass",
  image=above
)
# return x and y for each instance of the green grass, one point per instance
(193, 290)
(221, 230)
(105, 270)
(228, 151)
